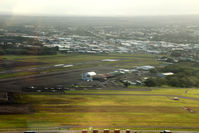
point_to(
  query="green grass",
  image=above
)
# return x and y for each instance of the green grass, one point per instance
(124, 61)
(76, 58)
(109, 100)
(192, 92)
(151, 112)
(19, 74)
(61, 58)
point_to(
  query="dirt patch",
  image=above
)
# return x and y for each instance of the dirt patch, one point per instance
(16, 109)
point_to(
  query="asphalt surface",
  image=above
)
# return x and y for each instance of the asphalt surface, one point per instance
(46, 67)
(66, 78)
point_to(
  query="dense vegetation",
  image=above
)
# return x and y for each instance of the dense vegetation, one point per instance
(12, 50)
(30, 46)
(186, 74)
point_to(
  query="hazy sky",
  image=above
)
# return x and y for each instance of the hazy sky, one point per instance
(100, 7)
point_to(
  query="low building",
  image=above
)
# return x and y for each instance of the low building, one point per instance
(146, 68)
(175, 98)
(165, 74)
(124, 70)
(88, 76)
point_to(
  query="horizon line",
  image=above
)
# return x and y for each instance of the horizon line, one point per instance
(100, 16)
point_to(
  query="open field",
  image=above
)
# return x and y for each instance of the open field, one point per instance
(151, 108)
(74, 58)
(127, 111)
(19, 74)
(45, 64)
(45, 73)
(71, 58)
(189, 92)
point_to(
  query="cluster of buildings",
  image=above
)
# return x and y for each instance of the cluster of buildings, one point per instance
(93, 45)
(99, 39)
(134, 76)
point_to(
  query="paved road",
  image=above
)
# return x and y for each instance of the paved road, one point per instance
(65, 78)
(42, 68)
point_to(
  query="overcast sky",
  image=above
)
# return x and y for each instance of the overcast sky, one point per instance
(99, 7)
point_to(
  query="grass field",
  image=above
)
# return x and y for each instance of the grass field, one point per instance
(103, 111)
(78, 60)
(19, 74)
(134, 112)
(127, 59)
(189, 92)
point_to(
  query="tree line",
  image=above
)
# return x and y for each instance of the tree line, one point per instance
(12, 50)
(186, 74)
